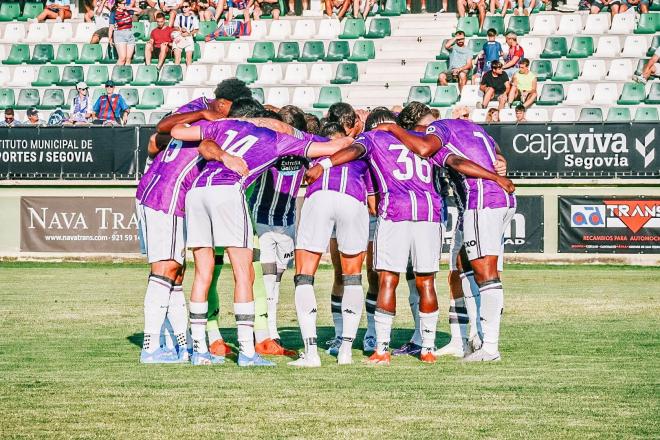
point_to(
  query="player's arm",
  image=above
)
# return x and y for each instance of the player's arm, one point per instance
(471, 169)
(167, 123)
(500, 161)
(271, 124)
(425, 146)
(372, 204)
(341, 157)
(186, 132)
(209, 150)
(319, 149)
(157, 143)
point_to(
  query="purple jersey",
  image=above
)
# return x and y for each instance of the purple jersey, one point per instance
(194, 105)
(469, 140)
(405, 180)
(259, 147)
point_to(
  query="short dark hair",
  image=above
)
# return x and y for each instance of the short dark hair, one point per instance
(265, 113)
(491, 32)
(378, 116)
(524, 61)
(411, 114)
(293, 116)
(343, 113)
(496, 64)
(521, 108)
(331, 129)
(459, 33)
(9, 111)
(159, 15)
(232, 89)
(313, 123)
(245, 107)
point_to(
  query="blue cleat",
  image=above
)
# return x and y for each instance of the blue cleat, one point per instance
(254, 361)
(333, 346)
(369, 344)
(409, 348)
(159, 356)
(206, 359)
(182, 354)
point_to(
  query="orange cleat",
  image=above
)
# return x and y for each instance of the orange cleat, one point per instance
(379, 359)
(428, 357)
(271, 347)
(220, 348)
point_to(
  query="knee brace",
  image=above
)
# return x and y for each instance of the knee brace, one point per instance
(269, 268)
(301, 280)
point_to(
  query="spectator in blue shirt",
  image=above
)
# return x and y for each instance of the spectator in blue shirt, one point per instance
(492, 50)
(110, 109)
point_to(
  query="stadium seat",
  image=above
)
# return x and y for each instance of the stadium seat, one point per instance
(555, 47)
(138, 53)
(220, 72)
(262, 52)
(653, 97)
(644, 114)
(329, 29)
(42, 54)
(296, 73)
(563, 114)
(623, 24)
(597, 24)
(66, 54)
(338, 51)
(139, 31)
(197, 52)
(130, 95)
(518, 24)
(444, 53)
(593, 70)
(122, 75)
(195, 74)
(9, 11)
(393, 8)
(621, 69)
(238, 52)
(279, 30)
(27, 98)
(258, 94)
(420, 94)
(640, 66)
(353, 28)
(205, 28)
(61, 32)
(478, 115)
(532, 47)
(152, 98)
(551, 94)
(654, 45)
(23, 76)
(363, 50)
(475, 45)
(635, 46)
(379, 28)
(347, 73)
(569, 24)
(206, 92)
(535, 114)
(544, 25)
(581, 47)
(590, 114)
(31, 10)
(155, 117)
(270, 74)
(470, 95)
(469, 25)
(212, 53)
(52, 99)
(506, 115)
(578, 94)
(433, 70)
(320, 73)
(312, 51)
(303, 97)
(445, 96)
(247, 73)
(608, 47)
(71, 75)
(303, 30)
(542, 69)
(170, 75)
(287, 52)
(567, 70)
(648, 24)
(5, 76)
(37, 32)
(492, 22)
(90, 54)
(7, 99)
(278, 96)
(259, 31)
(145, 76)
(14, 33)
(84, 32)
(136, 118)
(618, 114)
(110, 56)
(632, 94)
(96, 94)
(47, 76)
(176, 97)
(328, 96)
(605, 94)
(97, 75)
(19, 53)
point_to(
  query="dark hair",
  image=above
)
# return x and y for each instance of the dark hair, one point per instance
(491, 32)
(313, 123)
(459, 33)
(265, 113)
(343, 113)
(245, 107)
(521, 108)
(331, 129)
(159, 15)
(524, 61)
(436, 113)
(293, 116)
(9, 111)
(378, 116)
(232, 89)
(496, 64)
(411, 114)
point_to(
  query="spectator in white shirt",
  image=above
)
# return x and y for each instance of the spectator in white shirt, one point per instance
(186, 25)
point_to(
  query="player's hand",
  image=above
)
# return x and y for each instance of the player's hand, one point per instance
(506, 184)
(500, 166)
(313, 174)
(236, 164)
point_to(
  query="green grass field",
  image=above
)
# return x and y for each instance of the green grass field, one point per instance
(580, 347)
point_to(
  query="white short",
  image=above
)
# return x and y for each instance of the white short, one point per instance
(184, 43)
(324, 210)
(395, 242)
(373, 222)
(218, 216)
(483, 231)
(276, 244)
(162, 235)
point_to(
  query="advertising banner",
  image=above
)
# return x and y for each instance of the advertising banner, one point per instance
(623, 225)
(79, 224)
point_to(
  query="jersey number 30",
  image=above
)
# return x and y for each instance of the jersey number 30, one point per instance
(412, 165)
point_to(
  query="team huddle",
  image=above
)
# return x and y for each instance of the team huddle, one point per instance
(226, 170)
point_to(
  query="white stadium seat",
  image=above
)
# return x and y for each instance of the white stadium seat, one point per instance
(321, 73)
(14, 33)
(212, 53)
(329, 29)
(23, 76)
(593, 70)
(176, 97)
(278, 96)
(635, 46)
(597, 24)
(270, 74)
(220, 72)
(570, 24)
(259, 31)
(562, 114)
(544, 25)
(577, 94)
(84, 32)
(4, 75)
(608, 47)
(479, 114)
(195, 74)
(506, 115)
(532, 47)
(470, 95)
(623, 24)
(61, 33)
(303, 97)
(296, 73)
(536, 114)
(621, 69)
(304, 30)
(238, 52)
(37, 33)
(206, 92)
(279, 30)
(605, 94)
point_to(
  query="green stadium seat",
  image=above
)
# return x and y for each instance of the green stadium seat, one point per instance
(197, 52)
(110, 56)
(444, 53)
(338, 51)
(18, 54)
(379, 28)
(475, 45)
(152, 98)
(170, 75)
(312, 51)
(518, 24)
(433, 70)
(632, 94)
(47, 76)
(591, 114)
(420, 94)
(31, 10)
(542, 69)
(445, 96)
(655, 6)
(52, 99)
(145, 76)
(644, 114)
(27, 98)
(393, 8)
(7, 98)
(258, 94)
(122, 75)
(71, 75)
(654, 45)
(9, 11)
(567, 70)
(138, 55)
(90, 54)
(581, 47)
(205, 28)
(287, 52)
(555, 47)
(469, 25)
(492, 22)
(247, 73)
(353, 28)
(328, 96)
(346, 73)
(551, 94)
(66, 54)
(618, 114)
(97, 75)
(363, 50)
(653, 97)
(130, 95)
(136, 118)
(42, 54)
(648, 24)
(139, 31)
(262, 52)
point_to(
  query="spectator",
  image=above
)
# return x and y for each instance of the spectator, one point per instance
(503, 5)
(466, 7)
(515, 54)
(205, 9)
(491, 49)
(651, 68)
(267, 7)
(59, 10)
(365, 8)
(525, 7)
(495, 84)
(233, 28)
(493, 115)
(186, 25)
(236, 7)
(10, 120)
(171, 7)
(523, 85)
(599, 5)
(159, 42)
(33, 118)
(121, 32)
(333, 8)
(460, 61)
(110, 109)
(90, 7)
(520, 113)
(101, 18)
(305, 5)
(460, 112)
(148, 8)
(642, 6)
(81, 109)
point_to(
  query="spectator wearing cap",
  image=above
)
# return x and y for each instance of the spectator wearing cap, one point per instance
(159, 42)
(523, 85)
(121, 32)
(59, 10)
(460, 61)
(110, 109)
(495, 85)
(9, 120)
(651, 68)
(514, 55)
(81, 110)
(33, 118)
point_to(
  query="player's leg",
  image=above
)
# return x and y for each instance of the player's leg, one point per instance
(472, 299)
(260, 329)
(306, 308)
(336, 297)
(384, 316)
(369, 341)
(217, 344)
(177, 316)
(414, 346)
(267, 257)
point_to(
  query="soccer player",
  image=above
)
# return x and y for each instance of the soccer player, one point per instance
(490, 206)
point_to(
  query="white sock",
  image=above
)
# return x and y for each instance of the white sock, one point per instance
(198, 311)
(351, 309)
(472, 299)
(458, 320)
(413, 300)
(177, 315)
(244, 313)
(492, 304)
(156, 301)
(370, 306)
(428, 323)
(306, 310)
(272, 298)
(213, 334)
(337, 318)
(384, 322)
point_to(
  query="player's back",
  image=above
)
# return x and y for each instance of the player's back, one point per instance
(349, 178)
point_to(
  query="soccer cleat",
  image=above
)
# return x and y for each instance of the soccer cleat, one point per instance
(220, 348)
(482, 356)
(427, 356)
(379, 359)
(306, 361)
(333, 346)
(254, 361)
(451, 349)
(206, 359)
(273, 348)
(409, 348)
(159, 356)
(369, 344)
